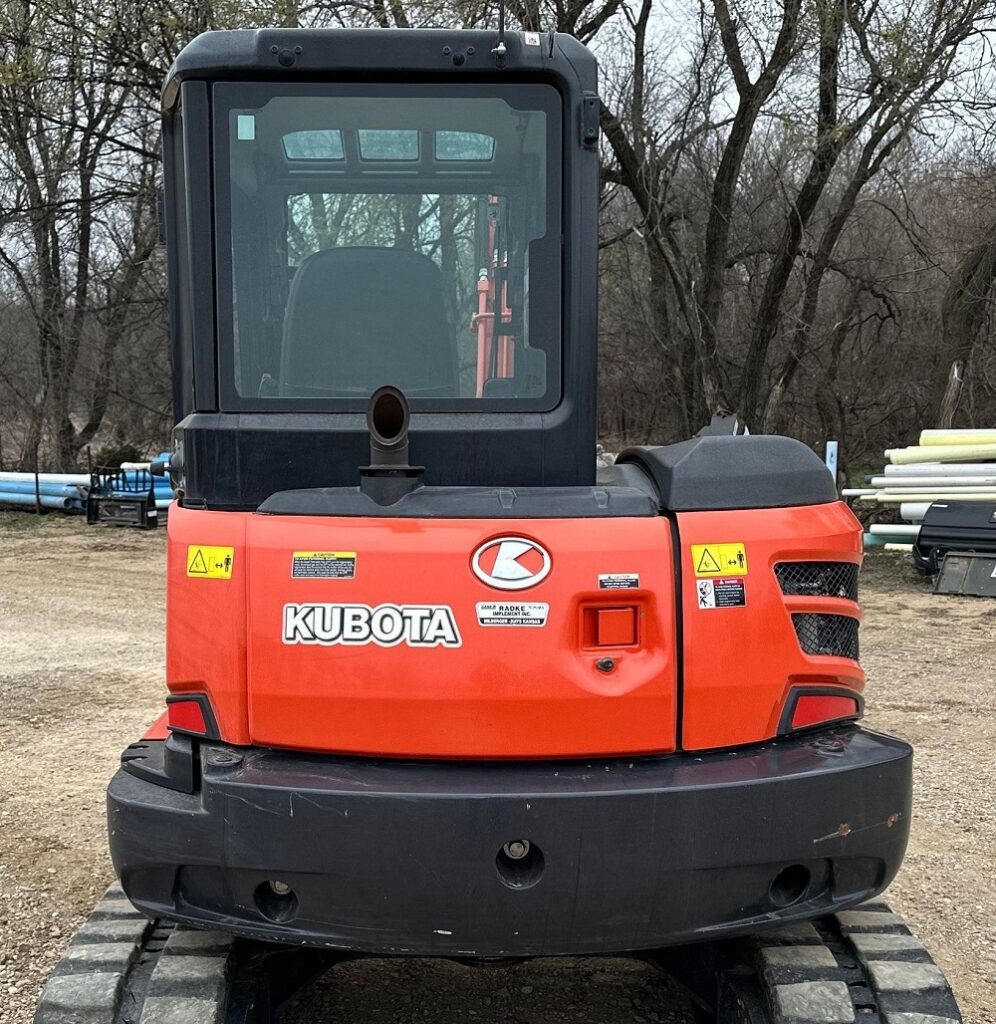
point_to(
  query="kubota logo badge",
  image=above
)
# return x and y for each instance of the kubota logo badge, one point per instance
(511, 563)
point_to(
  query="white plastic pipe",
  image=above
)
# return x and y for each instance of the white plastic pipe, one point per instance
(893, 482)
(894, 529)
(899, 547)
(897, 498)
(939, 486)
(913, 511)
(939, 469)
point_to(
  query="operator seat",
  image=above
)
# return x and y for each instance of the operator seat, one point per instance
(359, 317)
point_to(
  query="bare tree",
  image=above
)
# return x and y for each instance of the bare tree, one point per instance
(60, 113)
(963, 312)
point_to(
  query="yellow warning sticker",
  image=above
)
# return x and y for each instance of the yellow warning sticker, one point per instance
(323, 565)
(719, 559)
(210, 563)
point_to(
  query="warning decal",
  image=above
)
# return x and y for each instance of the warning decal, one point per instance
(210, 563)
(618, 580)
(724, 593)
(719, 559)
(509, 613)
(323, 565)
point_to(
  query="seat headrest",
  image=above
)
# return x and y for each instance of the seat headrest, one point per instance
(359, 317)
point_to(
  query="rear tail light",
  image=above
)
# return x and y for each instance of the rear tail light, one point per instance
(819, 708)
(190, 713)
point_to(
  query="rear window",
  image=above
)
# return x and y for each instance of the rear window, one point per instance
(389, 235)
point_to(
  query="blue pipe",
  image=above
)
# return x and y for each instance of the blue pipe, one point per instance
(46, 501)
(61, 490)
(52, 490)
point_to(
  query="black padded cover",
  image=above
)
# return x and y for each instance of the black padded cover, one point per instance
(360, 315)
(955, 526)
(733, 472)
(469, 503)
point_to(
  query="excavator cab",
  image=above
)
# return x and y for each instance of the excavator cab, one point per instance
(399, 210)
(435, 686)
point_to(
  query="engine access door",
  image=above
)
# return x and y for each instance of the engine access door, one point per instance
(461, 637)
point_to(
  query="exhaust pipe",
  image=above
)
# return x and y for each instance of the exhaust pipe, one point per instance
(389, 477)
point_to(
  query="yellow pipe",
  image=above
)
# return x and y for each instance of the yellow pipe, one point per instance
(941, 453)
(938, 437)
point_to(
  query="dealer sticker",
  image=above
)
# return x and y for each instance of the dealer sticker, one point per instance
(722, 593)
(512, 613)
(323, 565)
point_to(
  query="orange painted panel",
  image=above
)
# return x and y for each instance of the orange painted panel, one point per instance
(340, 670)
(206, 616)
(159, 730)
(740, 661)
(493, 691)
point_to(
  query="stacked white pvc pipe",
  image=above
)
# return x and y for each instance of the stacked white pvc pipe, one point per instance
(945, 465)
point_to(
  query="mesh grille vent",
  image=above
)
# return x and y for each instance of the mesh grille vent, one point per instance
(818, 579)
(835, 635)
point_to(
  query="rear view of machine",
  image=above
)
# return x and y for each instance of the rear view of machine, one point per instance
(436, 688)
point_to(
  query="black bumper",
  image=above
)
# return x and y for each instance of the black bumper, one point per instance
(625, 854)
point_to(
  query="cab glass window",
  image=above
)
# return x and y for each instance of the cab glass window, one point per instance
(388, 235)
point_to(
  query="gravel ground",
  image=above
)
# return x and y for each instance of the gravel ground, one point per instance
(81, 674)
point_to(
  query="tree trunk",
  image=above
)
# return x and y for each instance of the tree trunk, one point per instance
(963, 310)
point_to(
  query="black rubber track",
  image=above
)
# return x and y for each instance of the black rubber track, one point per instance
(861, 966)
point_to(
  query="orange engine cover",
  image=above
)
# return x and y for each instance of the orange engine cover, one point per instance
(389, 636)
(404, 650)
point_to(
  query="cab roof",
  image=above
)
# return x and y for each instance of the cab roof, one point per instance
(309, 53)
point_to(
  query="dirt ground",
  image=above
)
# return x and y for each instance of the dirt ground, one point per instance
(81, 670)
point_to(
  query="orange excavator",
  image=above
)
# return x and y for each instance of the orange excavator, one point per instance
(437, 686)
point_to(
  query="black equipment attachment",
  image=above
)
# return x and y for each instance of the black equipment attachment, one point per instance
(963, 526)
(122, 498)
